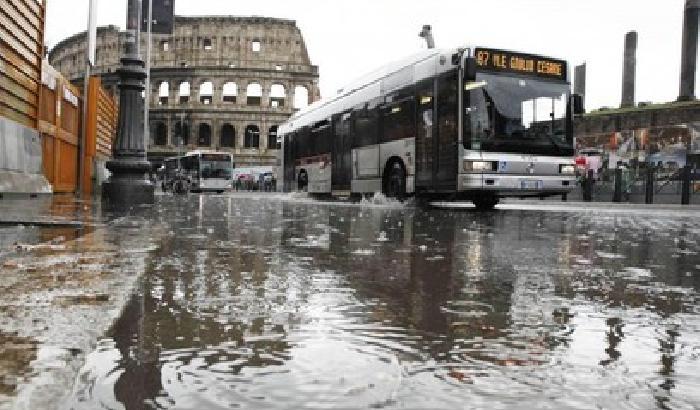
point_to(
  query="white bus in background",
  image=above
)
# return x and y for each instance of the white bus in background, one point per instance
(474, 123)
(208, 170)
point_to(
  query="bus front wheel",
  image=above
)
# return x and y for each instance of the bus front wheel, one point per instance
(485, 203)
(395, 181)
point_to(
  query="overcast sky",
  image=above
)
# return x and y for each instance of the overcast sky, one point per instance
(348, 38)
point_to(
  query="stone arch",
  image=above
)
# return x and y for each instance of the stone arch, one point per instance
(301, 96)
(277, 95)
(253, 94)
(230, 92)
(161, 136)
(163, 93)
(227, 137)
(252, 136)
(272, 138)
(206, 92)
(184, 92)
(204, 135)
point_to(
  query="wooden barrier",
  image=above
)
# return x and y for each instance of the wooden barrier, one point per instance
(35, 95)
(59, 125)
(21, 50)
(101, 129)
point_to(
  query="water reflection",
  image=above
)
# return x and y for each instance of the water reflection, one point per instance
(263, 304)
(16, 355)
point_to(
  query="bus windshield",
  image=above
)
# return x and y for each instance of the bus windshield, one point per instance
(216, 166)
(517, 115)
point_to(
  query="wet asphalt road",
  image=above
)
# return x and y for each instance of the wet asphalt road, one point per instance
(255, 301)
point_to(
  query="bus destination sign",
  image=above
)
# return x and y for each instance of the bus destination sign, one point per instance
(506, 61)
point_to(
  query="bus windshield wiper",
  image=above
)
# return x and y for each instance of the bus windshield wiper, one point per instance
(550, 137)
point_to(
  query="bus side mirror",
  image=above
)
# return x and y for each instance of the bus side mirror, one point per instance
(577, 102)
(470, 69)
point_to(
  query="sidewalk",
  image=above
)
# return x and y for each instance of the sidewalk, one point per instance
(63, 280)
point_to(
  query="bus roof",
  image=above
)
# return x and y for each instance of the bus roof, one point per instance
(409, 70)
(413, 68)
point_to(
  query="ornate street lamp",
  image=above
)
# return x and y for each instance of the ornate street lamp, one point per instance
(129, 183)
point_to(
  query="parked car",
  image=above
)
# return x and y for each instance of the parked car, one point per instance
(245, 182)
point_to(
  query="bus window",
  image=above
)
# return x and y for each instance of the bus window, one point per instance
(322, 137)
(216, 166)
(346, 124)
(447, 110)
(190, 164)
(304, 143)
(526, 116)
(398, 117)
(367, 125)
(477, 119)
(424, 129)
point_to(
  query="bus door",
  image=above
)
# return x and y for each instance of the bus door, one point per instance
(341, 153)
(446, 147)
(425, 134)
(289, 157)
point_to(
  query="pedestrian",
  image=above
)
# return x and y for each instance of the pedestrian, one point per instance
(626, 181)
(267, 180)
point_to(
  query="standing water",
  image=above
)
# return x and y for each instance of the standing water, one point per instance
(258, 303)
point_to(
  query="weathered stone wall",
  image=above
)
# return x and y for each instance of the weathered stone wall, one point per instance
(637, 118)
(220, 50)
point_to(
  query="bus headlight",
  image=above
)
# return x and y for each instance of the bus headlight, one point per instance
(478, 165)
(567, 169)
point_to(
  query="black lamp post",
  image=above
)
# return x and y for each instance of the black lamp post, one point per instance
(129, 183)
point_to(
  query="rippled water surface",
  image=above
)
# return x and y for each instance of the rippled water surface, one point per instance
(268, 303)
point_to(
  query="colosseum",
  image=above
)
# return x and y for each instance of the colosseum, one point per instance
(221, 82)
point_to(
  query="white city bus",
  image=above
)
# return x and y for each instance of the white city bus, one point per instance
(208, 170)
(475, 123)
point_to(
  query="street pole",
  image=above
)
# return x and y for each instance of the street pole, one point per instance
(181, 139)
(147, 95)
(89, 61)
(128, 184)
(83, 132)
(137, 28)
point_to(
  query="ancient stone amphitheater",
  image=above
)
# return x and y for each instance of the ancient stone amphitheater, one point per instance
(220, 82)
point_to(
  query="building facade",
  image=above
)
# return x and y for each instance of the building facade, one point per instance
(218, 82)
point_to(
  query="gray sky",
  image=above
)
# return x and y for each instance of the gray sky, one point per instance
(349, 38)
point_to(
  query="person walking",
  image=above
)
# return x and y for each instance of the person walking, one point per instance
(626, 181)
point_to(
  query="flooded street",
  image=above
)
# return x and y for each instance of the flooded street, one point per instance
(257, 301)
(64, 276)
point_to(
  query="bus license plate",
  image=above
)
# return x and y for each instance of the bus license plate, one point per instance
(531, 184)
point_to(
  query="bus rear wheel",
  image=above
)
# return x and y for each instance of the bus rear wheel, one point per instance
(395, 182)
(485, 203)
